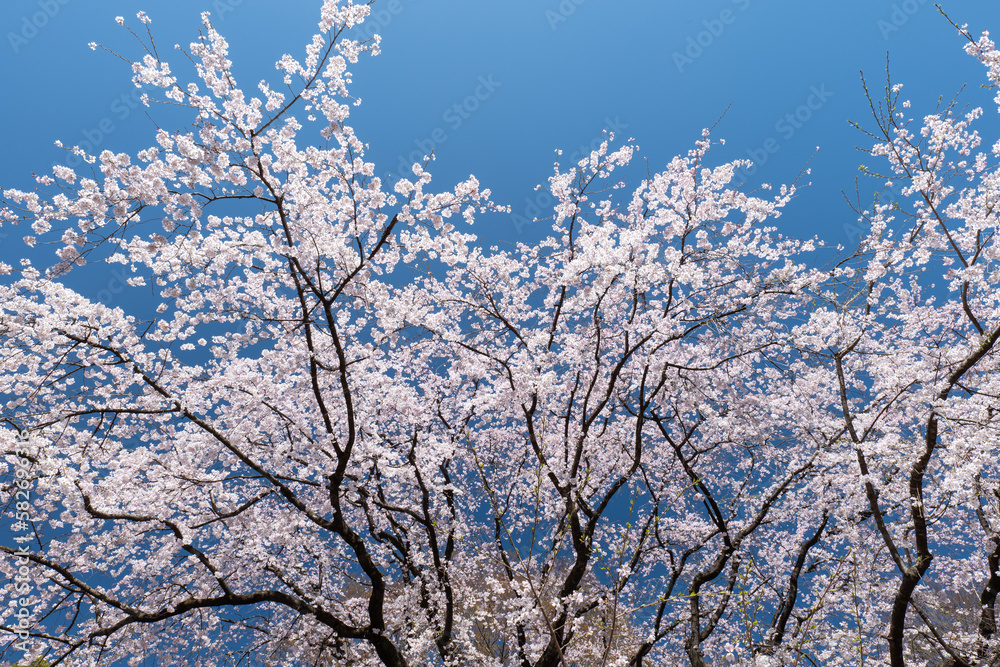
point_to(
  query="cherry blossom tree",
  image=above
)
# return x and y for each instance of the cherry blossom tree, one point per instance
(345, 433)
(914, 355)
(904, 342)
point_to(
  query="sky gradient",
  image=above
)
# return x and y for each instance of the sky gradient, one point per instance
(495, 88)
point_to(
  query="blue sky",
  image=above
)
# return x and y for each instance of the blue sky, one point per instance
(494, 88)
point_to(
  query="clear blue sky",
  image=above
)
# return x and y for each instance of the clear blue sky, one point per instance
(528, 76)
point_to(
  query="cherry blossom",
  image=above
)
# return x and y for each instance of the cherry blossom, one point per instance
(341, 431)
